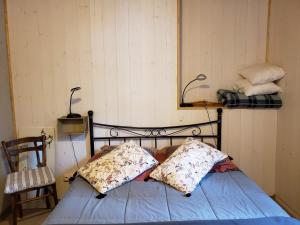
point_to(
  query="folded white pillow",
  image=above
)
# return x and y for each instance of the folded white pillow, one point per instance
(245, 87)
(262, 73)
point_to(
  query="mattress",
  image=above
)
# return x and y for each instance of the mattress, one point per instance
(220, 196)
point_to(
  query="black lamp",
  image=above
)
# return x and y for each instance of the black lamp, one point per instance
(199, 77)
(73, 115)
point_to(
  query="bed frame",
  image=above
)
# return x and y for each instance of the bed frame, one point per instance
(116, 132)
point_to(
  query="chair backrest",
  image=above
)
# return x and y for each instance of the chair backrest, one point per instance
(13, 148)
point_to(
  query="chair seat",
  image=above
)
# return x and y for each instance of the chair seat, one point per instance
(33, 178)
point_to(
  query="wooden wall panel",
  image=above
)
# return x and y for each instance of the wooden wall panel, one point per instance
(220, 37)
(285, 51)
(7, 130)
(250, 138)
(123, 55)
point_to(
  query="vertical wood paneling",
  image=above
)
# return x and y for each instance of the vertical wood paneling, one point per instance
(123, 59)
(123, 55)
(7, 130)
(285, 51)
(221, 37)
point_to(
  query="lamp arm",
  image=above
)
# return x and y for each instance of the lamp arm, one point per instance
(70, 106)
(183, 93)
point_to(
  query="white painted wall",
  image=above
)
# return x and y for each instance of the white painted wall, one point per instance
(123, 55)
(6, 121)
(285, 51)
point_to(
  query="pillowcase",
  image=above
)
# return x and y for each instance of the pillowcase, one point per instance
(262, 73)
(245, 87)
(117, 167)
(224, 166)
(164, 153)
(103, 151)
(107, 148)
(186, 167)
(144, 176)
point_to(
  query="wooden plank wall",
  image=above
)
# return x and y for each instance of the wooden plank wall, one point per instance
(285, 51)
(123, 55)
(6, 119)
(221, 37)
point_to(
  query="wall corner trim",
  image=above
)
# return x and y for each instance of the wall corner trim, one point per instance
(9, 67)
(290, 211)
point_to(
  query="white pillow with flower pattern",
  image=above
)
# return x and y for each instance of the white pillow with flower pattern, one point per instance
(117, 167)
(186, 167)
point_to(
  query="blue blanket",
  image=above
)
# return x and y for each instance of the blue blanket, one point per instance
(259, 221)
(221, 198)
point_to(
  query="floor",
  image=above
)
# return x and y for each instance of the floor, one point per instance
(31, 217)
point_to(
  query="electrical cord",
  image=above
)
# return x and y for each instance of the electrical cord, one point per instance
(211, 127)
(74, 151)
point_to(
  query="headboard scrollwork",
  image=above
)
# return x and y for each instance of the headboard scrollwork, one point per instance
(117, 132)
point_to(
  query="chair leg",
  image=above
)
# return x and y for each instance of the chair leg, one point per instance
(46, 191)
(20, 206)
(37, 193)
(54, 193)
(13, 210)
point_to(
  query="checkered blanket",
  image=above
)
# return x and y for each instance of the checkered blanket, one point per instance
(233, 99)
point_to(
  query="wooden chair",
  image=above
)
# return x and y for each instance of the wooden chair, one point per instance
(19, 182)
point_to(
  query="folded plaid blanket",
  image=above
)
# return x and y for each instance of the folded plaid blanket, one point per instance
(233, 99)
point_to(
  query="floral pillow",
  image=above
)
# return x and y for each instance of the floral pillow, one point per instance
(164, 153)
(117, 167)
(186, 167)
(108, 148)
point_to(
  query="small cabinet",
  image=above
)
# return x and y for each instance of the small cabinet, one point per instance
(72, 126)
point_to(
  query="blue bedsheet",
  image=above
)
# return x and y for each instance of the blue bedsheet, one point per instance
(229, 197)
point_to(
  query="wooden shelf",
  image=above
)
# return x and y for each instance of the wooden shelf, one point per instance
(201, 104)
(72, 126)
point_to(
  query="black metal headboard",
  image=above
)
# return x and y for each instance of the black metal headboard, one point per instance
(117, 132)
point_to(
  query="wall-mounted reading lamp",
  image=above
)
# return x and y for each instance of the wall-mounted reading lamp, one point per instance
(73, 115)
(199, 77)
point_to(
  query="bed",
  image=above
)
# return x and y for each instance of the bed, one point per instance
(221, 198)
